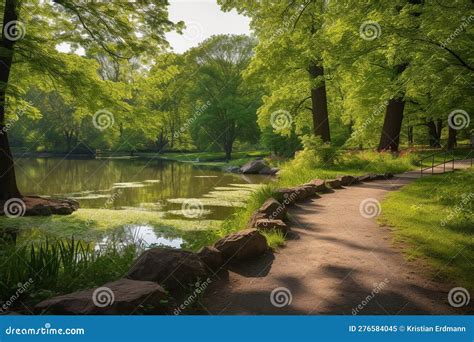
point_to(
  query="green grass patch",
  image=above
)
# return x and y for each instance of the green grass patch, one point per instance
(434, 218)
(275, 238)
(55, 267)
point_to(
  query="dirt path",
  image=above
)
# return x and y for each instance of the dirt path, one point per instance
(335, 261)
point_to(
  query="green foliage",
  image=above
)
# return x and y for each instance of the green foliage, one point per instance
(59, 266)
(433, 219)
(316, 153)
(275, 238)
(230, 102)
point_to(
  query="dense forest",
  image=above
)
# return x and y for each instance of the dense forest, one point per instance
(350, 74)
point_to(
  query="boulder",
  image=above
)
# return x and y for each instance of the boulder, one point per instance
(268, 171)
(243, 245)
(37, 206)
(266, 225)
(175, 269)
(347, 180)
(273, 209)
(319, 185)
(211, 257)
(253, 167)
(366, 178)
(310, 190)
(233, 169)
(334, 183)
(288, 196)
(121, 297)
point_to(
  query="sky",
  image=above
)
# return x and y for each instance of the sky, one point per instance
(203, 19)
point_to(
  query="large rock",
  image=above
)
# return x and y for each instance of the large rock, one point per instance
(266, 225)
(245, 244)
(211, 257)
(233, 169)
(347, 180)
(366, 178)
(273, 209)
(288, 196)
(253, 167)
(334, 183)
(319, 185)
(269, 171)
(121, 297)
(175, 269)
(38, 206)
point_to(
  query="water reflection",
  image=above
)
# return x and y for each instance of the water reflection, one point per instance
(153, 185)
(157, 186)
(143, 235)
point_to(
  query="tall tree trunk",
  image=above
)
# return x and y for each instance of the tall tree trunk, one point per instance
(8, 187)
(434, 132)
(392, 125)
(390, 138)
(410, 135)
(319, 105)
(452, 139)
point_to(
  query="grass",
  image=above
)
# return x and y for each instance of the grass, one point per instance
(307, 166)
(275, 238)
(433, 218)
(55, 267)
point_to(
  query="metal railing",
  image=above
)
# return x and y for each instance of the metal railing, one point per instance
(446, 154)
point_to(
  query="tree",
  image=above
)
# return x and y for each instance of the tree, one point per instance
(289, 61)
(225, 105)
(121, 29)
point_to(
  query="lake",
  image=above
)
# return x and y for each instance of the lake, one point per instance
(177, 194)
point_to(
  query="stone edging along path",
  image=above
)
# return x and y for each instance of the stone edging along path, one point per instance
(185, 275)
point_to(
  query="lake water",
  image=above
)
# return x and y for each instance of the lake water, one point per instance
(177, 191)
